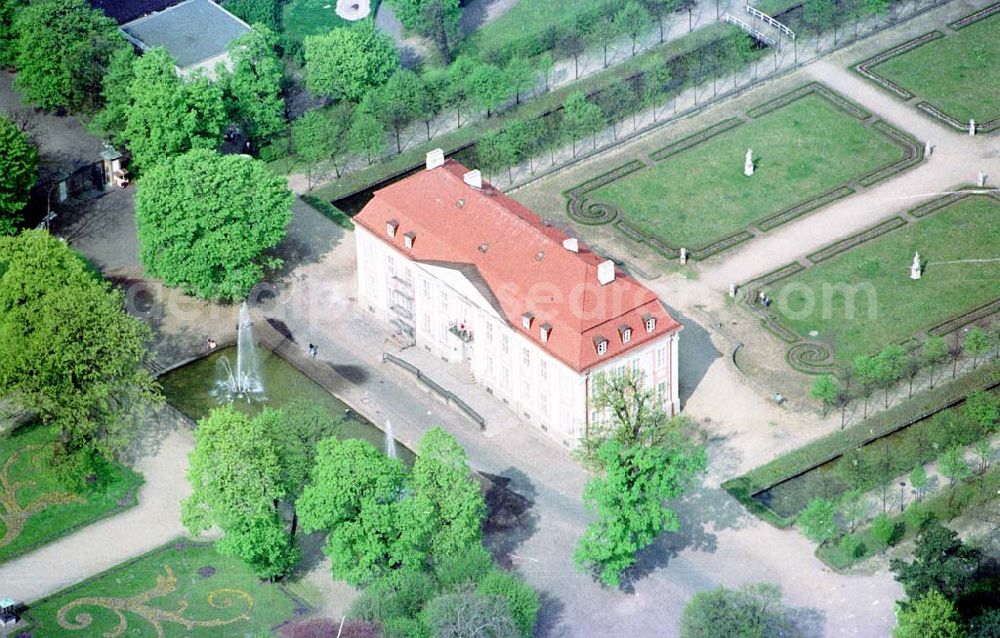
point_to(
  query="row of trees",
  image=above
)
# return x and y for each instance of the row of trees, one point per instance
(69, 353)
(885, 370)
(411, 538)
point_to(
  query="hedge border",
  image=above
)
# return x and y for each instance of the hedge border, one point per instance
(591, 212)
(864, 68)
(848, 243)
(914, 154)
(694, 139)
(959, 321)
(787, 215)
(841, 103)
(974, 17)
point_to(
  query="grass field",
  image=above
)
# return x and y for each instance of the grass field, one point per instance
(888, 307)
(528, 19)
(300, 18)
(35, 509)
(183, 590)
(701, 194)
(958, 74)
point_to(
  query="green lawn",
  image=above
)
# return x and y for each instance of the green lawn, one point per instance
(528, 19)
(960, 74)
(35, 509)
(701, 195)
(184, 589)
(300, 18)
(889, 307)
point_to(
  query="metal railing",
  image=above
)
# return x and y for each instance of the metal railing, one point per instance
(447, 395)
(771, 21)
(749, 29)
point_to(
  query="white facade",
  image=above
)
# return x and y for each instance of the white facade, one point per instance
(448, 313)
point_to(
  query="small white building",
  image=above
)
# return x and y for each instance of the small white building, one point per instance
(454, 266)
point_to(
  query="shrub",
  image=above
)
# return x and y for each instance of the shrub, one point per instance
(521, 597)
(463, 567)
(400, 594)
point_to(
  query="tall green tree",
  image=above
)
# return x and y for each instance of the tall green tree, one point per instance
(111, 120)
(929, 616)
(824, 389)
(348, 62)
(254, 86)
(314, 135)
(442, 476)
(236, 479)
(167, 115)
(190, 210)
(265, 12)
(366, 134)
(296, 431)
(629, 499)
(8, 36)
(581, 118)
(522, 75)
(889, 368)
(357, 495)
(866, 371)
(489, 87)
(61, 50)
(397, 103)
(19, 168)
(435, 19)
(630, 413)
(816, 521)
(633, 19)
(977, 344)
(933, 354)
(751, 611)
(941, 562)
(69, 352)
(493, 152)
(883, 531)
(877, 8)
(661, 10)
(521, 599)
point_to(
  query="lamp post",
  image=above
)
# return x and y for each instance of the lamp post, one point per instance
(902, 487)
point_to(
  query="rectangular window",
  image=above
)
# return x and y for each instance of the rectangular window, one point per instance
(525, 390)
(489, 332)
(427, 323)
(661, 391)
(444, 301)
(505, 344)
(525, 358)
(505, 376)
(427, 288)
(602, 347)
(544, 400)
(543, 369)
(661, 356)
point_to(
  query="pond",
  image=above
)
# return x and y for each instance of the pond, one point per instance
(192, 390)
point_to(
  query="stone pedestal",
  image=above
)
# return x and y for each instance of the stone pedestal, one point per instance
(972, 127)
(684, 255)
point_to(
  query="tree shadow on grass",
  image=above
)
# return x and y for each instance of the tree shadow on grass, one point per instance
(311, 546)
(551, 622)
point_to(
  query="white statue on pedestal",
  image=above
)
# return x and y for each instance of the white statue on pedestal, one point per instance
(972, 127)
(915, 269)
(748, 163)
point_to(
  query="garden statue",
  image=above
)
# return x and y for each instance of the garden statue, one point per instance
(927, 149)
(972, 127)
(748, 163)
(684, 255)
(915, 270)
(982, 179)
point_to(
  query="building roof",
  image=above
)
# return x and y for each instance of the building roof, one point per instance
(122, 11)
(192, 32)
(521, 260)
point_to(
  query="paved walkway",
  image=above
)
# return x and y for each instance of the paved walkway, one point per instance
(155, 521)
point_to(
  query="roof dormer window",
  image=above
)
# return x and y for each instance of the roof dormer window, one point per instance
(390, 227)
(408, 239)
(602, 345)
(526, 320)
(544, 332)
(650, 321)
(626, 333)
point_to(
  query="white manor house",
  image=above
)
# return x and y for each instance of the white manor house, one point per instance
(456, 267)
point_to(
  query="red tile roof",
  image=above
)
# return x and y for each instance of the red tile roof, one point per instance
(522, 262)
